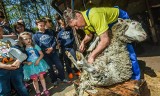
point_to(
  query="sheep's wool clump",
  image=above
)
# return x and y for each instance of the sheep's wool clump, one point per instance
(113, 65)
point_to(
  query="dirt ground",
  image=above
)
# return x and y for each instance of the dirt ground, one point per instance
(153, 84)
(149, 60)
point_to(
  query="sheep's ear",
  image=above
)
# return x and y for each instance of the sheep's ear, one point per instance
(120, 20)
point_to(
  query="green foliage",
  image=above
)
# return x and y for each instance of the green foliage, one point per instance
(28, 11)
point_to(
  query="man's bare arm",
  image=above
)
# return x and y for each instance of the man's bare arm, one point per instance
(2, 65)
(7, 67)
(87, 38)
(11, 36)
(104, 42)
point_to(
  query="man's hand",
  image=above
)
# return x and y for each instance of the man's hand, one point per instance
(16, 63)
(49, 50)
(90, 59)
(82, 47)
(104, 42)
(86, 39)
(10, 67)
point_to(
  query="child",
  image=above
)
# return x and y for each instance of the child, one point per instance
(66, 40)
(35, 66)
(47, 42)
(11, 71)
(20, 27)
(49, 24)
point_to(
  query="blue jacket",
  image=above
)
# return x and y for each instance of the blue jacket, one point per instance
(44, 40)
(66, 38)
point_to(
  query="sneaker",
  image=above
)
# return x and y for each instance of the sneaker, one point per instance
(70, 76)
(78, 73)
(28, 87)
(55, 83)
(46, 93)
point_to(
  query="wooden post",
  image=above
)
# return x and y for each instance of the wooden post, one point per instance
(152, 24)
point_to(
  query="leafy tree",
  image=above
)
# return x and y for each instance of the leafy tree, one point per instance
(27, 10)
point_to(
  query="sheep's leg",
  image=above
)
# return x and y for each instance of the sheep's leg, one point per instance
(72, 59)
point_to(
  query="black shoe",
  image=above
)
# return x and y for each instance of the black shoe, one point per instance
(55, 83)
(29, 89)
(13, 92)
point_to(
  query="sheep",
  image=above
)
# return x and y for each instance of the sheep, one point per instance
(113, 65)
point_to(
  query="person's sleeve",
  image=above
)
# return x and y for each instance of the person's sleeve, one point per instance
(54, 43)
(54, 33)
(99, 22)
(7, 30)
(86, 31)
(37, 47)
(58, 36)
(72, 36)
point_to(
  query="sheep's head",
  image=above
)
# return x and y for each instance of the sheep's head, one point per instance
(133, 30)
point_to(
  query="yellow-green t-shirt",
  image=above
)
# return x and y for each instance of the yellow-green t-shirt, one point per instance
(99, 18)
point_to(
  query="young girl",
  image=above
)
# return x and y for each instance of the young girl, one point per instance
(35, 67)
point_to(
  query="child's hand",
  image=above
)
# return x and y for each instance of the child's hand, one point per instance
(26, 62)
(37, 62)
(49, 50)
(29, 63)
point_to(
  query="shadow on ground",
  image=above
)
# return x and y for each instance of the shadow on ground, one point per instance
(146, 70)
(61, 88)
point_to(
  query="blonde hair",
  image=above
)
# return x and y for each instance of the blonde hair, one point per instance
(20, 38)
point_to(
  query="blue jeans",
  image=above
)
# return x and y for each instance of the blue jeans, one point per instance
(16, 78)
(67, 60)
(135, 66)
(53, 59)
